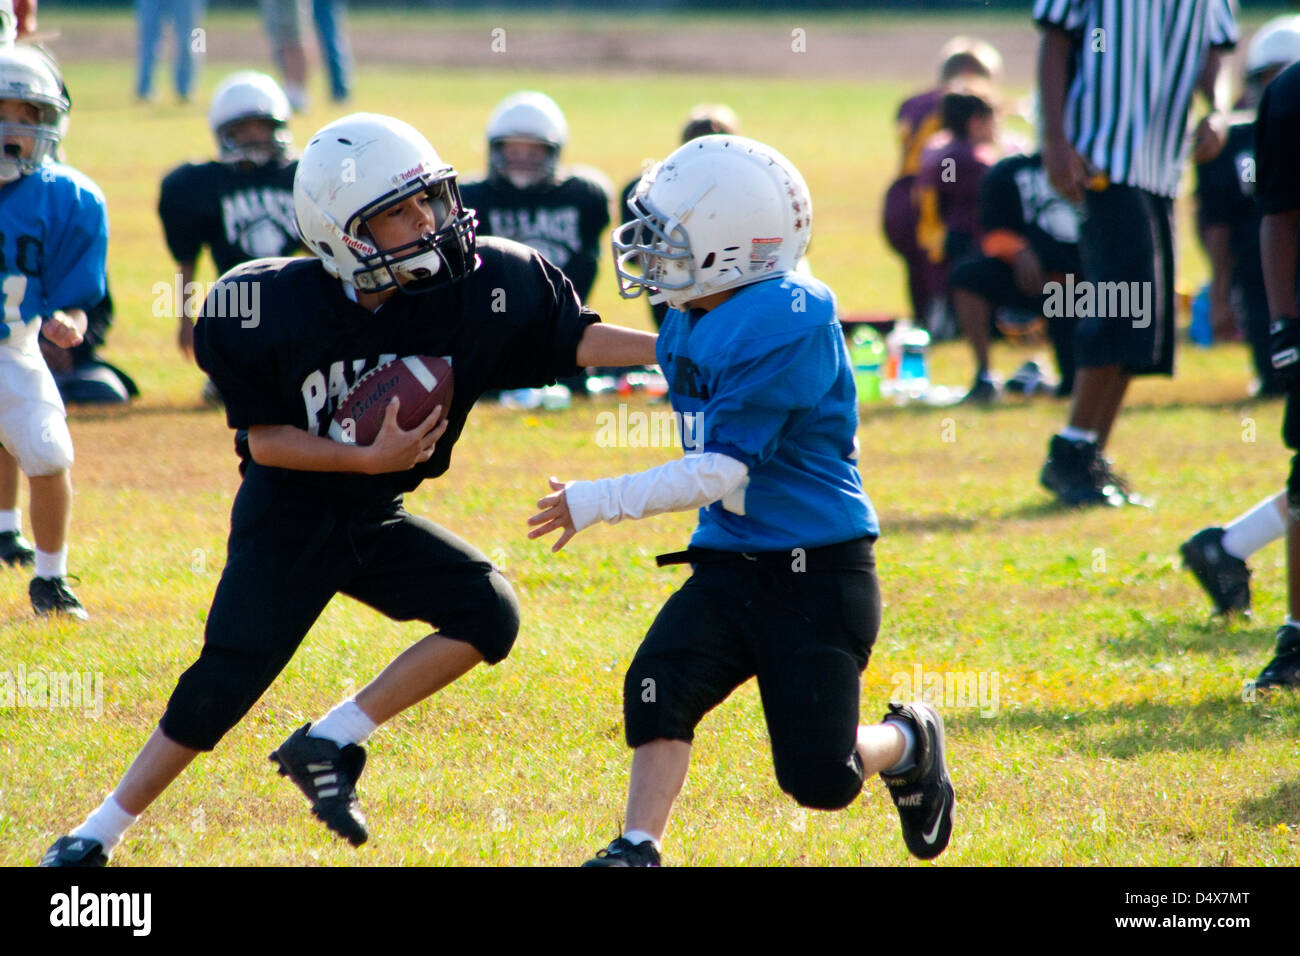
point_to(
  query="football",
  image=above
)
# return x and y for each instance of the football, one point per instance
(422, 382)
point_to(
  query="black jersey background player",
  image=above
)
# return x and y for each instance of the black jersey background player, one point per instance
(1030, 236)
(240, 206)
(527, 196)
(314, 517)
(1226, 212)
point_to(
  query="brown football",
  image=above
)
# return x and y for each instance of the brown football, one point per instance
(422, 382)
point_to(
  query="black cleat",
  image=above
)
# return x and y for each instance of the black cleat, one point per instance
(1073, 474)
(75, 851)
(1030, 380)
(923, 795)
(328, 775)
(985, 391)
(53, 596)
(1110, 484)
(15, 550)
(623, 853)
(1284, 669)
(1225, 577)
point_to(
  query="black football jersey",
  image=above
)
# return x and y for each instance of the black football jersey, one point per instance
(283, 343)
(1225, 190)
(1017, 196)
(1277, 139)
(563, 221)
(238, 213)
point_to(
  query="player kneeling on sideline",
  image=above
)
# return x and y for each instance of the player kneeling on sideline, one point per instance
(784, 578)
(315, 517)
(53, 242)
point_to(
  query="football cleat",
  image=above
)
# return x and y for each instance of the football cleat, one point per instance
(623, 853)
(985, 391)
(1073, 474)
(75, 851)
(1284, 669)
(923, 795)
(328, 775)
(53, 596)
(1110, 484)
(15, 550)
(1224, 576)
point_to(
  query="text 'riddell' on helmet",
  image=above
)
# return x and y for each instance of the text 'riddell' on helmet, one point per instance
(719, 213)
(31, 75)
(249, 95)
(354, 169)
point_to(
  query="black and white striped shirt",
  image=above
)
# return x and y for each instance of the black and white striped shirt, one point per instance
(1135, 68)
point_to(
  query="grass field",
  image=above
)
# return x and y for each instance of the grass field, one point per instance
(1118, 735)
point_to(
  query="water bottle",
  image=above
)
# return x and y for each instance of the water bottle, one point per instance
(1201, 331)
(867, 351)
(913, 366)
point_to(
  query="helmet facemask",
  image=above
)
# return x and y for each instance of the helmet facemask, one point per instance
(523, 175)
(260, 152)
(434, 260)
(45, 138)
(660, 249)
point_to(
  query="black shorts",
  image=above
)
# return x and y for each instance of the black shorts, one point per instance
(994, 280)
(1126, 236)
(289, 553)
(804, 626)
(1291, 438)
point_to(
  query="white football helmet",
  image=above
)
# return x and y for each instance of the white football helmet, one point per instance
(31, 75)
(250, 95)
(526, 115)
(354, 169)
(1275, 45)
(719, 213)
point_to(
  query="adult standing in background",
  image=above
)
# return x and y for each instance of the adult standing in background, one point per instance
(284, 28)
(184, 16)
(1116, 79)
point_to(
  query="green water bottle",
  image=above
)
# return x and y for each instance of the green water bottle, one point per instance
(867, 350)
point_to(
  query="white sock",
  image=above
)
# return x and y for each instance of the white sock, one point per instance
(106, 824)
(345, 724)
(1070, 433)
(52, 565)
(11, 520)
(637, 837)
(908, 760)
(1256, 528)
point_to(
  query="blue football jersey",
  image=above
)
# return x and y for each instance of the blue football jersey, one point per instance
(53, 244)
(765, 378)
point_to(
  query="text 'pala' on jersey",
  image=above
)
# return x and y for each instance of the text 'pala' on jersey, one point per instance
(323, 390)
(259, 221)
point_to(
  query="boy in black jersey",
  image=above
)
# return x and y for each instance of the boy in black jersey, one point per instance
(315, 517)
(239, 206)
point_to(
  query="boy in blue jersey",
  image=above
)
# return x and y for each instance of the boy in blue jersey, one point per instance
(784, 585)
(52, 259)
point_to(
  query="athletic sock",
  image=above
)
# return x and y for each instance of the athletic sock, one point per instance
(1070, 433)
(11, 520)
(52, 565)
(1251, 531)
(908, 760)
(637, 837)
(106, 824)
(346, 724)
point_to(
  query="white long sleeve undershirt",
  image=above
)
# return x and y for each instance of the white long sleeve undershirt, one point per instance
(689, 482)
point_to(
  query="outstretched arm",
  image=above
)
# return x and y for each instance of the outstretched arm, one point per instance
(614, 345)
(690, 482)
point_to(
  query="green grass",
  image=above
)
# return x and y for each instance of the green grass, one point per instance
(1120, 735)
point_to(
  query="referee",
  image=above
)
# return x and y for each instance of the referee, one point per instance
(1116, 79)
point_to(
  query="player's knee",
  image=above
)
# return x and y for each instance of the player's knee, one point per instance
(814, 722)
(491, 618)
(653, 702)
(820, 783)
(213, 695)
(49, 450)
